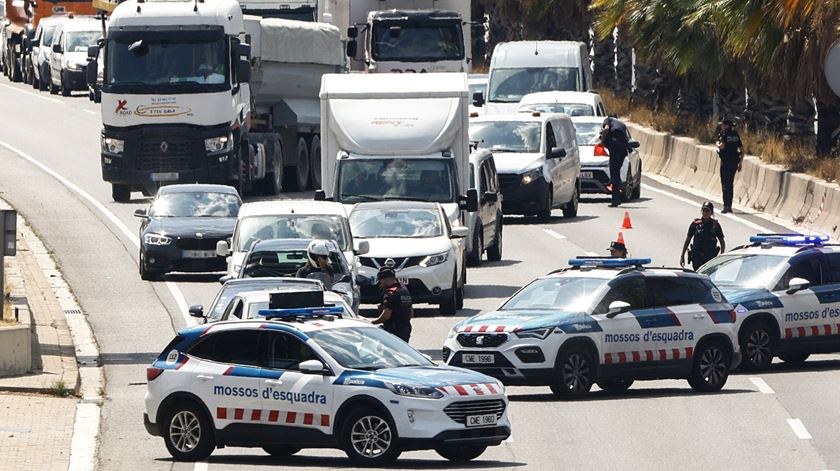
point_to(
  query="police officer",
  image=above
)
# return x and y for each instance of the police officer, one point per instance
(730, 151)
(396, 310)
(706, 233)
(614, 138)
(618, 249)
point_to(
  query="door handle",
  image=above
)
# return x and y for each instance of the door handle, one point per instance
(274, 381)
(204, 377)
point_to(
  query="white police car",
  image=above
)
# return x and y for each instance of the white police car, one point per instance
(298, 379)
(604, 321)
(786, 289)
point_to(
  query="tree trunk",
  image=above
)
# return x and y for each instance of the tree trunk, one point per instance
(765, 112)
(624, 63)
(828, 126)
(604, 62)
(801, 122)
(480, 54)
(694, 99)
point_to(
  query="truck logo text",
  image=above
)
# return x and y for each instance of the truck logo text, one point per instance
(121, 106)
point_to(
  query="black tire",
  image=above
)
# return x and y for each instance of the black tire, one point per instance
(16, 73)
(385, 438)
(474, 257)
(281, 450)
(188, 432)
(298, 180)
(53, 88)
(637, 188)
(627, 193)
(36, 83)
(315, 163)
(97, 96)
(461, 453)
(571, 208)
(449, 307)
(615, 385)
(273, 182)
(43, 82)
(545, 213)
(574, 373)
(63, 87)
(494, 252)
(757, 344)
(120, 193)
(711, 367)
(795, 358)
(459, 296)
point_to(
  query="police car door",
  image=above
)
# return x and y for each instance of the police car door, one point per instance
(621, 338)
(296, 405)
(806, 313)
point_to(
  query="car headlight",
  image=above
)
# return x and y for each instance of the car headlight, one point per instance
(540, 333)
(413, 390)
(531, 176)
(113, 146)
(214, 145)
(433, 260)
(452, 333)
(156, 239)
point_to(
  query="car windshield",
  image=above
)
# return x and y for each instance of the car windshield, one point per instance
(195, 204)
(571, 109)
(375, 222)
(267, 263)
(588, 134)
(230, 290)
(556, 293)
(510, 85)
(48, 35)
(744, 270)
(404, 179)
(290, 226)
(80, 41)
(507, 136)
(417, 42)
(367, 348)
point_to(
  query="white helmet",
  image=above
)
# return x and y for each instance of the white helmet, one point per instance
(315, 248)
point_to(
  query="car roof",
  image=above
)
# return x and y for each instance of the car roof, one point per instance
(293, 244)
(521, 117)
(197, 188)
(272, 281)
(286, 207)
(396, 204)
(588, 119)
(309, 325)
(587, 98)
(611, 272)
(786, 250)
(257, 296)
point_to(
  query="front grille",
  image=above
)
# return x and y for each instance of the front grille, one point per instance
(152, 158)
(399, 262)
(458, 411)
(486, 340)
(509, 181)
(197, 244)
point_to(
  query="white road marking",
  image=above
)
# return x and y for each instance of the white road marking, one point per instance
(85, 432)
(590, 254)
(90, 112)
(556, 235)
(201, 466)
(762, 386)
(36, 95)
(799, 429)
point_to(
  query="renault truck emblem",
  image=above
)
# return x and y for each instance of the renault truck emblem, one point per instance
(164, 146)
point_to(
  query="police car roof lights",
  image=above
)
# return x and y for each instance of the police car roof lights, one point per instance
(302, 313)
(608, 262)
(789, 239)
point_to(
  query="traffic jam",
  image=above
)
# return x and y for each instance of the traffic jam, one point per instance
(214, 112)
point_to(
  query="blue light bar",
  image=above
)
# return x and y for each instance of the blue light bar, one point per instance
(790, 239)
(608, 262)
(312, 312)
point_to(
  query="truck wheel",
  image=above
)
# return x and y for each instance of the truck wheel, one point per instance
(276, 182)
(461, 453)
(302, 173)
(494, 252)
(120, 193)
(315, 159)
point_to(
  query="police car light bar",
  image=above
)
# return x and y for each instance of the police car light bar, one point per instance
(789, 239)
(608, 262)
(311, 312)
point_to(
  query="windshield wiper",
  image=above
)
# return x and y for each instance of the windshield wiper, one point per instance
(505, 149)
(405, 198)
(368, 368)
(364, 197)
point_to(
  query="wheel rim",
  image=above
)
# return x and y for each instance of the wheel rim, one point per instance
(371, 436)
(185, 431)
(576, 373)
(712, 366)
(758, 346)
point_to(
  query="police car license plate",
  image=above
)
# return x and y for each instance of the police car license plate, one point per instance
(587, 175)
(481, 420)
(477, 359)
(199, 253)
(164, 177)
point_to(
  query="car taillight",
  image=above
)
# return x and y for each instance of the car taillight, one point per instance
(733, 315)
(601, 151)
(152, 373)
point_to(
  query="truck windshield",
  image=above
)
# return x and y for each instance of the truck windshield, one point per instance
(181, 65)
(417, 42)
(510, 85)
(507, 136)
(407, 179)
(79, 41)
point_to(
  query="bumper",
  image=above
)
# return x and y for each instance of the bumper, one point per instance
(171, 258)
(523, 199)
(490, 436)
(75, 79)
(431, 285)
(515, 361)
(151, 428)
(599, 183)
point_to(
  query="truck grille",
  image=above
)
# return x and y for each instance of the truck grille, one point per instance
(509, 181)
(458, 411)
(197, 244)
(152, 158)
(486, 340)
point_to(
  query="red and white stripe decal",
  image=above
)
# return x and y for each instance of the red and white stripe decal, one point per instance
(812, 331)
(490, 328)
(266, 416)
(649, 355)
(479, 389)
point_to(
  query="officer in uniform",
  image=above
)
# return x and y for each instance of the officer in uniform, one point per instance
(730, 151)
(706, 233)
(396, 310)
(618, 249)
(614, 138)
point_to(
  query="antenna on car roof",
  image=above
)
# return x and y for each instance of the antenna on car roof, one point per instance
(195, 6)
(536, 48)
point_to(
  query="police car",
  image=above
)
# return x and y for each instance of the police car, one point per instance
(604, 321)
(301, 378)
(786, 289)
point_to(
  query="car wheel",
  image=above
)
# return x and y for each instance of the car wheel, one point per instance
(43, 82)
(474, 257)
(711, 367)
(637, 188)
(281, 450)
(545, 213)
(370, 438)
(120, 193)
(494, 252)
(574, 373)
(615, 385)
(97, 96)
(571, 208)
(461, 453)
(757, 346)
(63, 87)
(36, 83)
(459, 293)
(795, 358)
(188, 433)
(53, 88)
(627, 186)
(449, 307)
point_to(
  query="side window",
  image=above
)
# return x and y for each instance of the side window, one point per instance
(281, 351)
(489, 176)
(472, 176)
(833, 276)
(485, 183)
(808, 268)
(669, 291)
(629, 290)
(550, 138)
(238, 347)
(446, 223)
(234, 309)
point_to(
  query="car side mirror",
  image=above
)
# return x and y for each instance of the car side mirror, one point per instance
(91, 71)
(197, 310)
(478, 99)
(56, 48)
(93, 52)
(352, 48)
(244, 50)
(617, 307)
(362, 247)
(312, 367)
(320, 195)
(556, 153)
(141, 213)
(222, 248)
(459, 232)
(469, 203)
(353, 32)
(491, 197)
(243, 71)
(797, 284)
(225, 279)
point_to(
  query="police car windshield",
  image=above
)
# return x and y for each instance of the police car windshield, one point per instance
(744, 270)
(553, 294)
(367, 348)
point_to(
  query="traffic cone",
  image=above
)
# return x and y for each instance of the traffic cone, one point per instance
(620, 237)
(626, 224)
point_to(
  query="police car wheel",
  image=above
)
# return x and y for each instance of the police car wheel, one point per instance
(615, 385)
(281, 450)
(188, 433)
(795, 358)
(711, 367)
(369, 438)
(757, 345)
(461, 453)
(574, 373)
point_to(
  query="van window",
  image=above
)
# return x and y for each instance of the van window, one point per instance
(550, 137)
(510, 85)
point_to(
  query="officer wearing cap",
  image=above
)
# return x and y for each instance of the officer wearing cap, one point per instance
(396, 309)
(730, 151)
(618, 249)
(614, 137)
(705, 232)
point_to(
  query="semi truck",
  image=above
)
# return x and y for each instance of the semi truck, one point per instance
(195, 91)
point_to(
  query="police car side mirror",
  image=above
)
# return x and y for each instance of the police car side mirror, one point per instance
(634, 144)
(362, 247)
(345, 279)
(222, 248)
(312, 367)
(478, 99)
(617, 307)
(197, 310)
(797, 284)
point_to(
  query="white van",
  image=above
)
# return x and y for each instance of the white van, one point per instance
(522, 67)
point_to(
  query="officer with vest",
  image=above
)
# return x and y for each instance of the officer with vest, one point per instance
(730, 151)
(614, 138)
(705, 232)
(396, 309)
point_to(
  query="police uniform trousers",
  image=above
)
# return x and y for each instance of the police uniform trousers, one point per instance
(617, 156)
(727, 181)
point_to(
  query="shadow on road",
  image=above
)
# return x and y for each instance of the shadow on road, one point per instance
(632, 393)
(813, 366)
(500, 263)
(489, 291)
(528, 221)
(304, 461)
(194, 277)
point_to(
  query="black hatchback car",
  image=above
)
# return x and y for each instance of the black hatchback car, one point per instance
(180, 229)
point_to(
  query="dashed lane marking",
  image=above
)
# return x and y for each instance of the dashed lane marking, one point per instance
(90, 112)
(554, 234)
(799, 429)
(36, 95)
(762, 386)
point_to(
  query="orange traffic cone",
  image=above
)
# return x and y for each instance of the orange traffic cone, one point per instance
(620, 237)
(626, 224)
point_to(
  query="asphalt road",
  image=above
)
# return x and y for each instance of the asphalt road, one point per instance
(49, 170)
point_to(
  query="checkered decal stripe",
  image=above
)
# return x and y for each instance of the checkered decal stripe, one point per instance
(649, 355)
(274, 417)
(485, 389)
(812, 331)
(490, 328)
